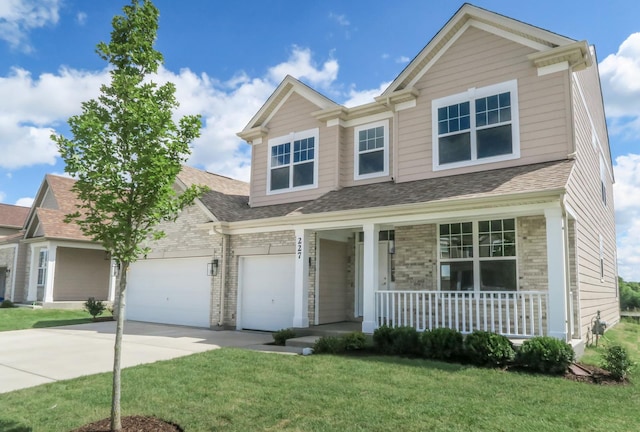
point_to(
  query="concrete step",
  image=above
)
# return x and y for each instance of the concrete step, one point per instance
(302, 342)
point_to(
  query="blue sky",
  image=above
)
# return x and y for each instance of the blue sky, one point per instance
(226, 57)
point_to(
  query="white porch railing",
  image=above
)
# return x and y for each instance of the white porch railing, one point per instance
(513, 314)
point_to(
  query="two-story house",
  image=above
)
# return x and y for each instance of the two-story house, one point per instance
(475, 193)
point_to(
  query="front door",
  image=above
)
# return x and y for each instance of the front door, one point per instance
(384, 273)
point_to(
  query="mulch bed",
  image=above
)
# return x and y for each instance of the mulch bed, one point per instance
(132, 424)
(593, 375)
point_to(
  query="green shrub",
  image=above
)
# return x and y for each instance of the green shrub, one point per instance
(329, 345)
(616, 360)
(545, 354)
(441, 344)
(354, 341)
(94, 307)
(280, 337)
(383, 339)
(406, 341)
(6, 304)
(488, 349)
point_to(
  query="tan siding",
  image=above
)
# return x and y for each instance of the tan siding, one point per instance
(332, 282)
(478, 59)
(80, 274)
(294, 116)
(593, 217)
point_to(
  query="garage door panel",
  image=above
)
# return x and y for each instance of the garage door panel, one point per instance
(170, 291)
(267, 292)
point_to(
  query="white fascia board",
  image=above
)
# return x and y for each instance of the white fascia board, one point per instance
(558, 67)
(528, 204)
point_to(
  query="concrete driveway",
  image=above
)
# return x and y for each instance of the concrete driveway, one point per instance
(37, 356)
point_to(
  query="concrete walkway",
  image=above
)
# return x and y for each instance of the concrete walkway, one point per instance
(37, 356)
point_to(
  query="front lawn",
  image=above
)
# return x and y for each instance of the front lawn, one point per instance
(239, 390)
(25, 318)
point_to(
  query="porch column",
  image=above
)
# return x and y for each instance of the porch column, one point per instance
(369, 277)
(301, 288)
(556, 274)
(51, 272)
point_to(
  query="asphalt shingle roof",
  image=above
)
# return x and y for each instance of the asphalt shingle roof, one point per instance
(12, 216)
(494, 183)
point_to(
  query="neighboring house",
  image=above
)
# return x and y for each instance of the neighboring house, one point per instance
(57, 265)
(12, 220)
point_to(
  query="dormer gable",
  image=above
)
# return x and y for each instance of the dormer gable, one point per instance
(256, 129)
(554, 52)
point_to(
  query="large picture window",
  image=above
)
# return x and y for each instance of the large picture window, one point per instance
(371, 143)
(478, 256)
(477, 126)
(292, 161)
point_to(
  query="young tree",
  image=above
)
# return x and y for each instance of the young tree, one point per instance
(126, 152)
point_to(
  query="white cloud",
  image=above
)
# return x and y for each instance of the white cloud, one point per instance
(81, 18)
(340, 19)
(619, 74)
(402, 59)
(31, 108)
(626, 192)
(2, 196)
(19, 17)
(24, 202)
(301, 65)
(364, 96)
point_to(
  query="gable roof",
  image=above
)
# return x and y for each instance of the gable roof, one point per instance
(545, 42)
(192, 176)
(12, 216)
(256, 126)
(544, 177)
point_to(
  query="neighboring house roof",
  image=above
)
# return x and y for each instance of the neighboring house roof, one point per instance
(12, 216)
(526, 179)
(192, 176)
(47, 216)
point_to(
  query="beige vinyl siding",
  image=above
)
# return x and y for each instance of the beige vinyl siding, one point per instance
(294, 116)
(478, 59)
(332, 282)
(347, 165)
(80, 274)
(594, 219)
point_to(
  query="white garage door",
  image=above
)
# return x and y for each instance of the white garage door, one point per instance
(170, 291)
(266, 292)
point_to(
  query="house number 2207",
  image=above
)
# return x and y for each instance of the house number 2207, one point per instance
(299, 247)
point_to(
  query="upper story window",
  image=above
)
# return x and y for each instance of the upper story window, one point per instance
(371, 155)
(477, 126)
(293, 162)
(603, 180)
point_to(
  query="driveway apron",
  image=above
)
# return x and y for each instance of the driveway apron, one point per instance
(37, 356)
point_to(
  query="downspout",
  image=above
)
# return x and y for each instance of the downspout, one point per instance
(223, 275)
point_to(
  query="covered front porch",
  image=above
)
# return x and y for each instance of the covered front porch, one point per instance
(509, 271)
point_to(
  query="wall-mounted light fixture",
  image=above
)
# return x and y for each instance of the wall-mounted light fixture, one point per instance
(392, 246)
(212, 267)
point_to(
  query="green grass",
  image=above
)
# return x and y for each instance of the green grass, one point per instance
(625, 333)
(25, 318)
(238, 390)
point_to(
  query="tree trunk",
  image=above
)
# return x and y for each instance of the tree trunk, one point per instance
(116, 423)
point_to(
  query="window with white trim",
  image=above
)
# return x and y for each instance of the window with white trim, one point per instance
(601, 259)
(603, 181)
(477, 126)
(293, 162)
(478, 256)
(371, 150)
(43, 257)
